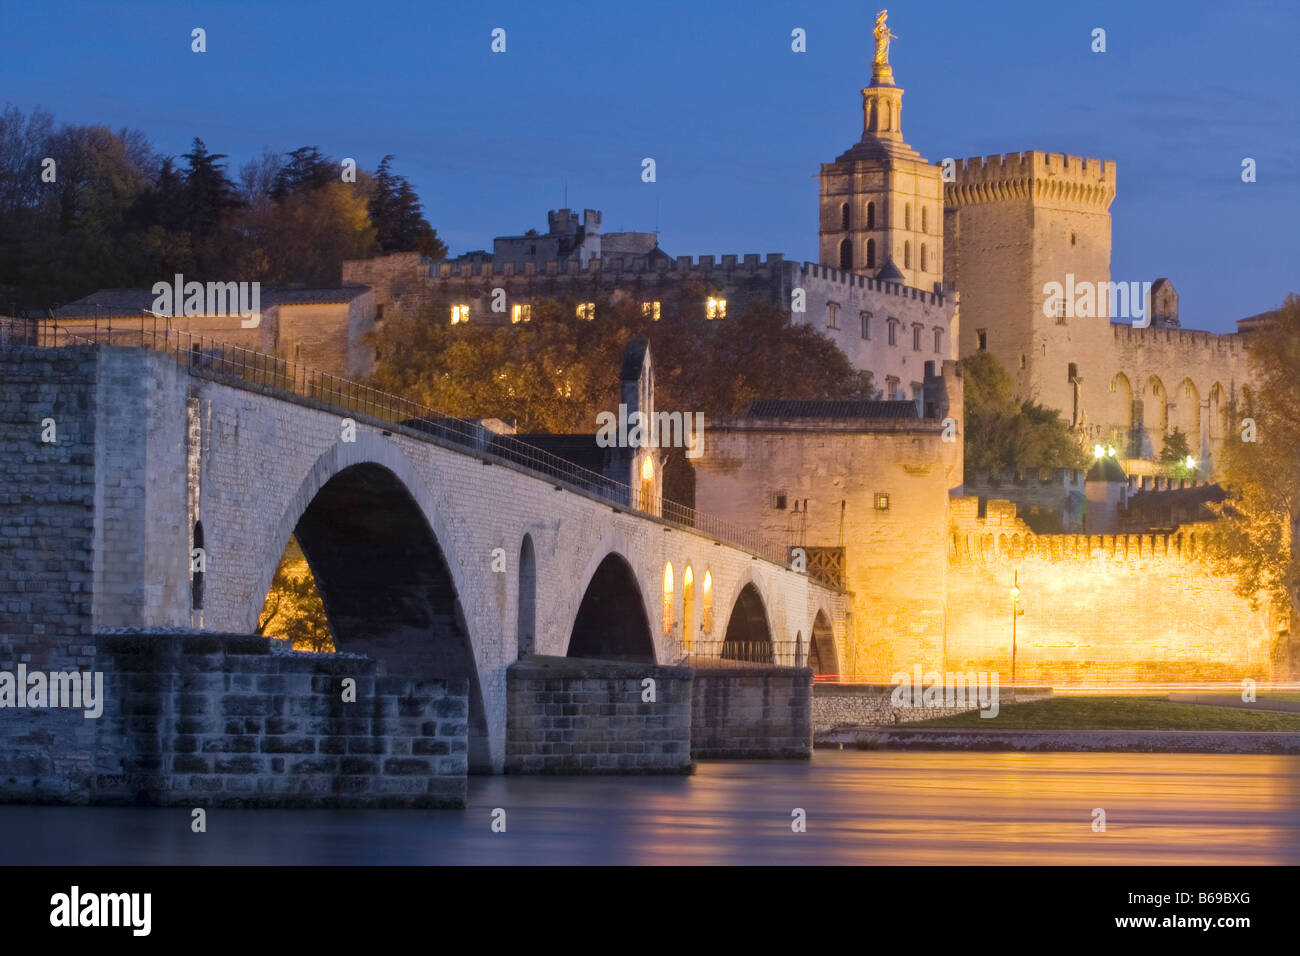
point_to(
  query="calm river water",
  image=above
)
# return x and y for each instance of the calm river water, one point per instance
(862, 808)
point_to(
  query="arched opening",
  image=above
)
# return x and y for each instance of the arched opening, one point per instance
(706, 603)
(1157, 411)
(907, 216)
(871, 215)
(821, 648)
(1218, 413)
(1119, 412)
(871, 253)
(647, 483)
(846, 255)
(925, 220)
(907, 255)
(1188, 405)
(526, 631)
(668, 598)
(925, 259)
(688, 609)
(385, 585)
(611, 620)
(748, 636)
(844, 217)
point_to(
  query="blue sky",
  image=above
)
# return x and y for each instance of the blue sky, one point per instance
(736, 122)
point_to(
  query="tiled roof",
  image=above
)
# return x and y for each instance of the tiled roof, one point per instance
(815, 408)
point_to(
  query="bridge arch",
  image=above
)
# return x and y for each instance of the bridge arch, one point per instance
(377, 549)
(526, 624)
(611, 621)
(821, 646)
(749, 633)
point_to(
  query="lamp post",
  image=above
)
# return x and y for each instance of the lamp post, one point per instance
(1016, 611)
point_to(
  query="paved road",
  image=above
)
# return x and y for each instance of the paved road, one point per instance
(872, 807)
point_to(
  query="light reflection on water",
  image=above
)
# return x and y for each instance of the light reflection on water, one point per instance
(876, 807)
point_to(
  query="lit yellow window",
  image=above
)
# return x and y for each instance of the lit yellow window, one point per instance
(668, 598)
(688, 607)
(715, 308)
(459, 314)
(650, 309)
(521, 313)
(706, 604)
(586, 310)
(647, 483)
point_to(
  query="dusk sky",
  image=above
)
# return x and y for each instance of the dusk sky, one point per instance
(736, 122)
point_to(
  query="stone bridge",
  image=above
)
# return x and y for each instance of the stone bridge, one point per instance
(153, 458)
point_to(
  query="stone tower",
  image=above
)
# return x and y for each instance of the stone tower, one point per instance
(881, 202)
(1013, 224)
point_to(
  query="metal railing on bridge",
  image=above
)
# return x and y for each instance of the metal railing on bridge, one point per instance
(740, 653)
(207, 356)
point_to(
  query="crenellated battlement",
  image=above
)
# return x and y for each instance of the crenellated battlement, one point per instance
(751, 263)
(827, 274)
(1130, 336)
(1046, 177)
(997, 540)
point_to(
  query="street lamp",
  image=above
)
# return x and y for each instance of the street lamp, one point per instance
(1016, 611)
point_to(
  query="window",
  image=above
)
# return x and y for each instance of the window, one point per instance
(459, 314)
(832, 315)
(907, 216)
(871, 215)
(844, 216)
(586, 310)
(925, 224)
(715, 309)
(893, 331)
(938, 341)
(1058, 309)
(925, 259)
(1073, 372)
(907, 255)
(647, 483)
(521, 313)
(706, 604)
(778, 500)
(871, 253)
(1112, 381)
(1023, 360)
(881, 501)
(918, 398)
(1073, 238)
(865, 318)
(916, 338)
(651, 310)
(982, 337)
(379, 312)
(891, 388)
(688, 606)
(668, 598)
(1187, 390)
(846, 255)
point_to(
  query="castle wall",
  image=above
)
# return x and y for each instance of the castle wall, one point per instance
(896, 558)
(1134, 607)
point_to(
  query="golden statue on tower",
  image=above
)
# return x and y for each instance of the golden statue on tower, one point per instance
(883, 36)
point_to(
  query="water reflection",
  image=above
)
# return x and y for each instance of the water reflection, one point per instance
(862, 808)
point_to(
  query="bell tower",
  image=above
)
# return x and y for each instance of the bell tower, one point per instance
(881, 201)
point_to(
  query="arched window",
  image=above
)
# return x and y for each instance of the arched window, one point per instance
(668, 598)
(925, 220)
(871, 253)
(907, 216)
(846, 255)
(526, 629)
(844, 216)
(706, 604)
(925, 261)
(907, 255)
(647, 483)
(688, 609)
(871, 215)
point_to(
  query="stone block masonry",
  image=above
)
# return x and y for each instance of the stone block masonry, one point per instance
(871, 705)
(750, 711)
(220, 720)
(580, 716)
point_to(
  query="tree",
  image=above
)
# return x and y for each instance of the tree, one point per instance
(397, 213)
(293, 608)
(1174, 453)
(557, 371)
(1259, 468)
(305, 169)
(1005, 433)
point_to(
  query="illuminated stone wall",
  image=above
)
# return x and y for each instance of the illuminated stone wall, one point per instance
(1097, 606)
